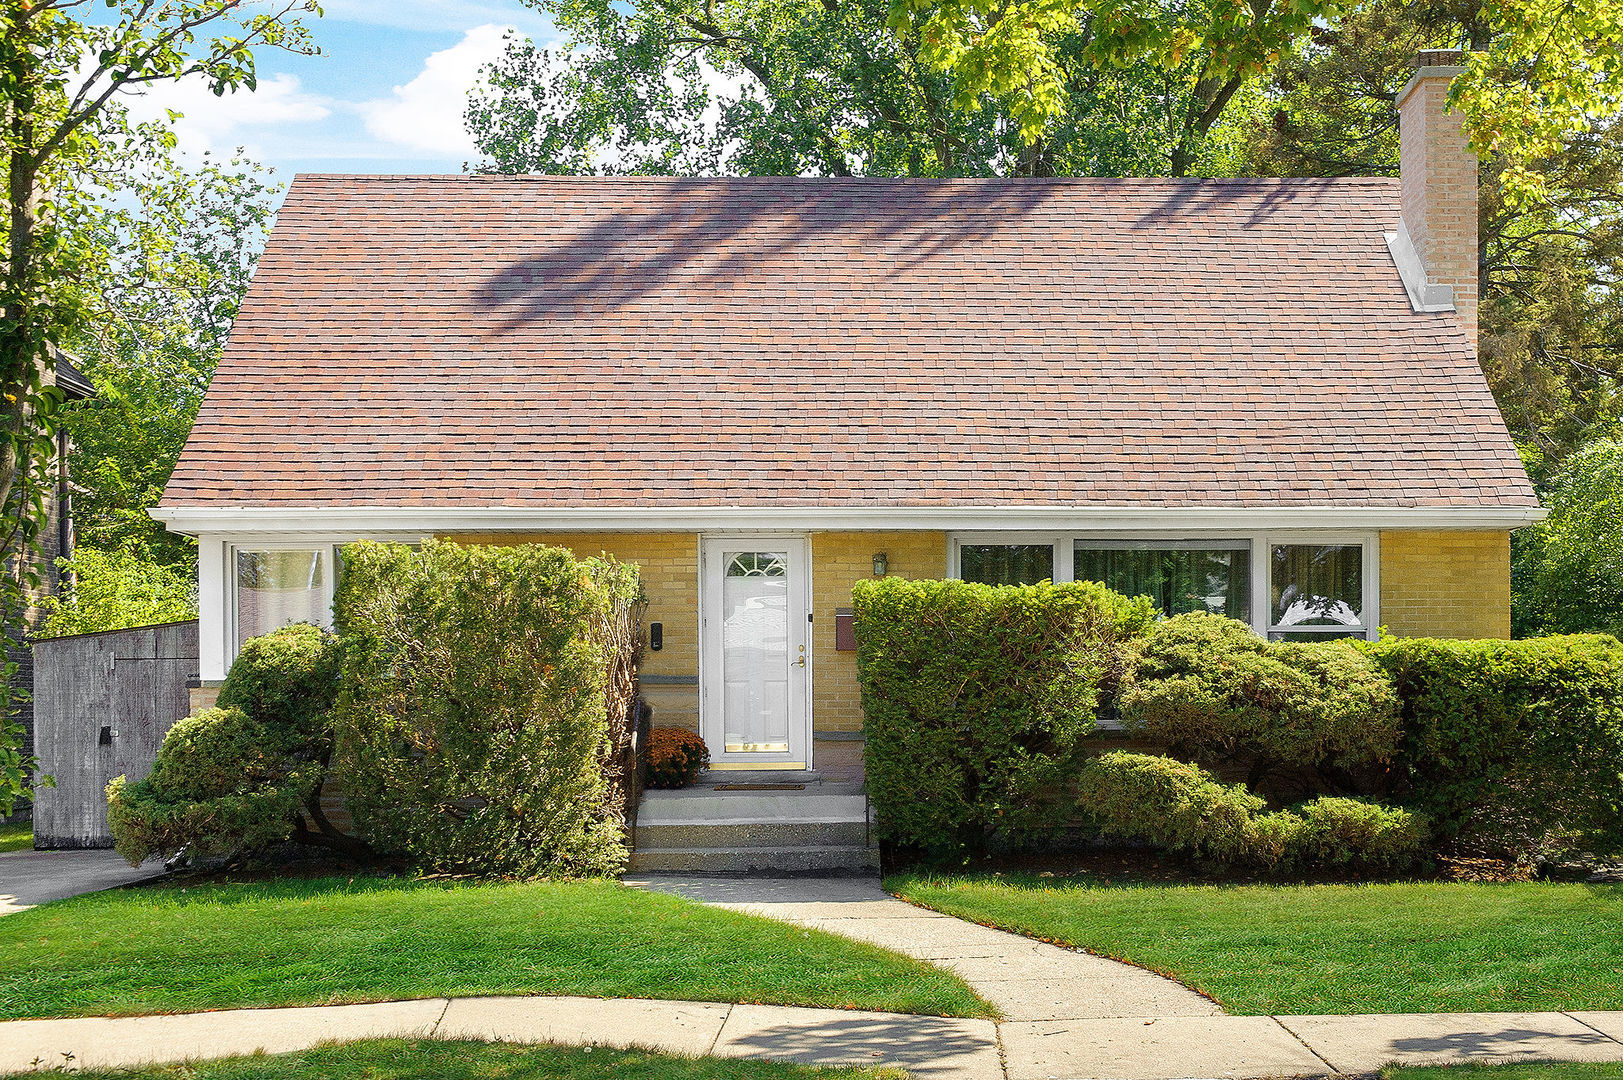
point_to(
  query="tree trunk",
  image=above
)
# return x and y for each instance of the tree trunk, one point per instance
(20, 344)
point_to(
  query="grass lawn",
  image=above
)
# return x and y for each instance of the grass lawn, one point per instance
(427, 1059)
(1260, 949)
(1532, 1071)
(330, 940)
(18, 837)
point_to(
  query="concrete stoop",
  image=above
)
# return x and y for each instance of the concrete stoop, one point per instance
(822, 828)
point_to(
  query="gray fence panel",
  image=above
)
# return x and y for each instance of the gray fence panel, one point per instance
(130, 684)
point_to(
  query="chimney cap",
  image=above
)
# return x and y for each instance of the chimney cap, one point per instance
(1439, 58)
(1431, 64)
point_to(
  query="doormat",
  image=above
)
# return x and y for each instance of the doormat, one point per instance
(760, 787)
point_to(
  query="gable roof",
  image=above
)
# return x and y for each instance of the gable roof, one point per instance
(450, 341)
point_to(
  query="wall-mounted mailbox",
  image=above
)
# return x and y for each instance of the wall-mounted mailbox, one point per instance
(656, 636)
(845, 630)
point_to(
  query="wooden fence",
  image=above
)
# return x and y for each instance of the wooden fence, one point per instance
(102, 704)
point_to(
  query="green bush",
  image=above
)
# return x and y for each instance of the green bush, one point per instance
(977, 698)
(1209, 688)
(222, 784)
(287, 679)
(1169, 805)
(244, 775)
(1179, 807)
(1350, 832)
(1521, 741)
(473, 725)
(675, 757)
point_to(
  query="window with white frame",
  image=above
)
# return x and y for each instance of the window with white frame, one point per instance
(273, 587)
(1288, 586)
(1316, 591)
(1181, 576)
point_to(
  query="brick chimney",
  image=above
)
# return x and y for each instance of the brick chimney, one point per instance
(1439, 176)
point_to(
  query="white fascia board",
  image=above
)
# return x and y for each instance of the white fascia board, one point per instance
(382, 521)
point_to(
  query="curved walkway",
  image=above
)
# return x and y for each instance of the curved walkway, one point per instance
(1027, 980)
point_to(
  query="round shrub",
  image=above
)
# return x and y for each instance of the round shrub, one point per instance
(286, 679)
(675, 757)
(1209, 688)
(246, 774)
(222, 783)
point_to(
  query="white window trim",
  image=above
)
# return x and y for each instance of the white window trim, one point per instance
(1262, 602)
(1261, 559)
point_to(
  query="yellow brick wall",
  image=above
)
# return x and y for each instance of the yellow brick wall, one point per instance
(1446, 583)
(839, 561)
(670, 575)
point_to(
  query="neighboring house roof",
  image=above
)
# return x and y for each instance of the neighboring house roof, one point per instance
(67, 377)
(555, 342)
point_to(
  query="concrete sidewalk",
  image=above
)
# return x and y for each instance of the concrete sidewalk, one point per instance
(28, 878)
(932, 1048)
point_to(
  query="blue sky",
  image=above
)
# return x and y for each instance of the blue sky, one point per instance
(385, 96)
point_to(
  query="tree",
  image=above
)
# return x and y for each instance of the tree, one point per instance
(793, 87)
(67, 143)
(1551, 324)
(180, 247)
(1208, 51)
(1572, 563)
(117, 589)
(1539, 71)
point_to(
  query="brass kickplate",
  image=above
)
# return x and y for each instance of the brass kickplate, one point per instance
(760, 787)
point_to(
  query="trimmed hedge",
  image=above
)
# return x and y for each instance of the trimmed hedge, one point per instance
(977, 698)
(1168, 804)
(473, 727)
(1210, 689)
(1178, 807)
(1523, 739)
(247, 774)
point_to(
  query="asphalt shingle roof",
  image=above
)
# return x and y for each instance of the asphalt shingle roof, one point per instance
(557, 342)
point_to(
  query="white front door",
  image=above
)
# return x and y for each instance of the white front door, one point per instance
(755, 652)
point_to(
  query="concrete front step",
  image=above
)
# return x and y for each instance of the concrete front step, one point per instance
(756, 834)
(814, 859)
(820, 829)
(749, 808)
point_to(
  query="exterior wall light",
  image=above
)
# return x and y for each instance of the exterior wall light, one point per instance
(881, 565)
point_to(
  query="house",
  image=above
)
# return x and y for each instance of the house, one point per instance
(1255, 397)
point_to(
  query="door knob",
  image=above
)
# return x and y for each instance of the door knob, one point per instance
(800, 661)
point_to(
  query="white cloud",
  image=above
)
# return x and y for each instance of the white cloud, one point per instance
(426, 113)
(221, 124)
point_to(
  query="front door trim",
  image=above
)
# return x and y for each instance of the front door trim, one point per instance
(711, 565)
